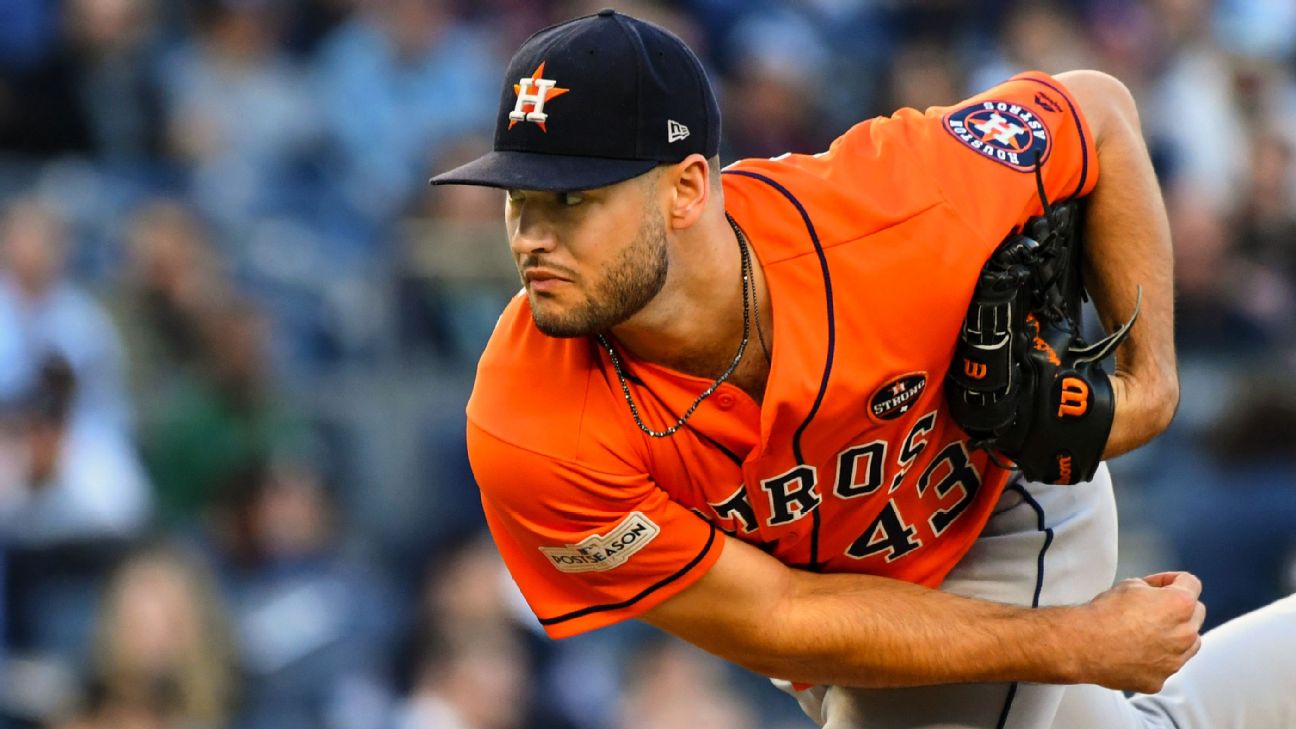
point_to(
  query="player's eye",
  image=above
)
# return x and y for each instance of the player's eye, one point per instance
(570, 199)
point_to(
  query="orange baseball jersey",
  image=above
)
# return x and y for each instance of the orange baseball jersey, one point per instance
(851, 463)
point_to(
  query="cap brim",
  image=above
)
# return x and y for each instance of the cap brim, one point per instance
(547, 172)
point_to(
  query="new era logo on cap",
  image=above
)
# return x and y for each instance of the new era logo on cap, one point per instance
(675, 131)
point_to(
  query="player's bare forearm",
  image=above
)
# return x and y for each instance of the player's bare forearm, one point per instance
(853, 630)
(860, 630)
(1127, 244)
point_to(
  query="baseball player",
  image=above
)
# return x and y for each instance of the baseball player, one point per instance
(722, 403)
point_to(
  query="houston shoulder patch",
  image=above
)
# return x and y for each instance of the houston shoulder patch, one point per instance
(1007, 133)
(599, 553)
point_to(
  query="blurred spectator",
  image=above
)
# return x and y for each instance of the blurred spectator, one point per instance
(27, 28)
(470, 204)
(1211, 282)
(470, 591)
(511, 21)
(240, 117)
(772, 105)
(1192, 108)
(470, 653)
(39, 111)
(673, 684)
(1232, 524)
(314, 623)
(1125, 41)
(662, 12)
(217, 420)
(66, 480)
(311, 21)
(172, 286)
(457, 273)
(1263, 229)
(42, 312)
(1041, 36)
(1266, 220)
(72, 494)
(91, 90)
(923, 75)
(113, 54)
(1264, 28)
(162, 655)
(397, 81)
(468, 680)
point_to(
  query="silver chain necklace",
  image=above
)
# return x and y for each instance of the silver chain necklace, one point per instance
(760, 333)
(747, 281)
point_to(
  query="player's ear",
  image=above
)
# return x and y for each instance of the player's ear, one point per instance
(687, 184)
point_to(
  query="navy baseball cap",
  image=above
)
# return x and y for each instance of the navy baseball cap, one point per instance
(592, 102)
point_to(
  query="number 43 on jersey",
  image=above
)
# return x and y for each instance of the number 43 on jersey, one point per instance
(944, 489)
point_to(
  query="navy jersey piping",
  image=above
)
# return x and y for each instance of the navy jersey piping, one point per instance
(1048, 538)
(1039, 578)
(832, 342)
(1084, 143)
(706, 548)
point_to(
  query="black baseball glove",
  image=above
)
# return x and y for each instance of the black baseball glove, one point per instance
(1024, 384)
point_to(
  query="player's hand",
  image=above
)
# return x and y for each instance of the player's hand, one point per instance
(1142, 631)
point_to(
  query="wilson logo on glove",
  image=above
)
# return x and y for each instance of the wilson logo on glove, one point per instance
(1064, 468)
(1044, 400)
(1075, 397)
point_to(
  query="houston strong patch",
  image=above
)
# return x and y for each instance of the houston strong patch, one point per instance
(1005, 132)
(598, 553)
(894, 399)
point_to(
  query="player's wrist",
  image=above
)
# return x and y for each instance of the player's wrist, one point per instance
(1154, 393)
(1145, 405)
(1064, 646)
(1037, 645)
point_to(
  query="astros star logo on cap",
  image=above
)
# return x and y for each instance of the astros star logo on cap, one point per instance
(532, 94)
(627, 79)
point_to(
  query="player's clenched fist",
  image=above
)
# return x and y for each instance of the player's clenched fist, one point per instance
(1140, 632)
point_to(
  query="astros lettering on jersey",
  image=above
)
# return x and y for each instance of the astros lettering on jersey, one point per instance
(851, 463)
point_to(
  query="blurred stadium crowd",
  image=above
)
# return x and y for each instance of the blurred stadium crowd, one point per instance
(237, 331)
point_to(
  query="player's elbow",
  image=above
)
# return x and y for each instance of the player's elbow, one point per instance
(778, 647)
(779, 643)
(1105, 100)
(778, 654)
(1169, 401)
(744, 609)
(771, 663)
(1161, 383)
(797, 643)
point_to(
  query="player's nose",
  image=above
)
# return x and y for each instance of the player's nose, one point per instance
(531, 234)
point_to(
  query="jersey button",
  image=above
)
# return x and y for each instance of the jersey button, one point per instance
(725, 401)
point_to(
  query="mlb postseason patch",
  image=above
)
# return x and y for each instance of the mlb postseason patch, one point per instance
(1007, 133)
(598, 553)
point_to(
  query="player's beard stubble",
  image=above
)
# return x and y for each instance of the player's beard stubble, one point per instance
(621, 289)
